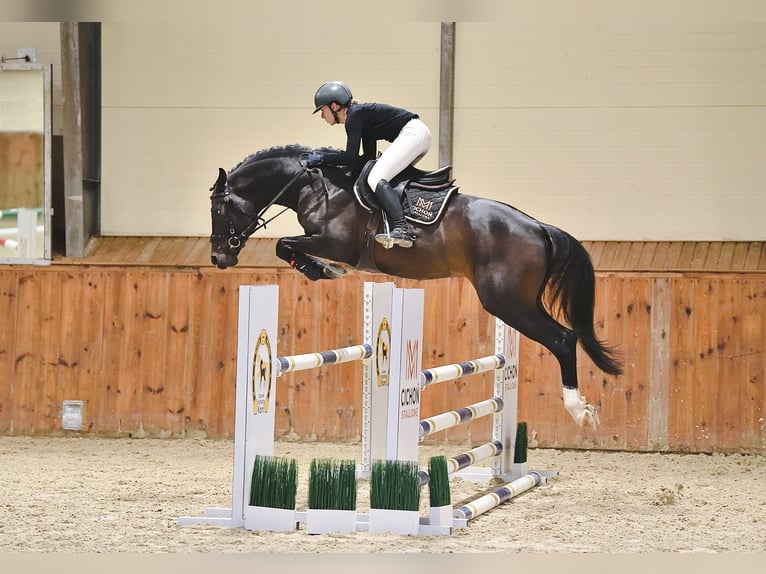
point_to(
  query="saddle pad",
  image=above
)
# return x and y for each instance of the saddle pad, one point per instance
(425, 206)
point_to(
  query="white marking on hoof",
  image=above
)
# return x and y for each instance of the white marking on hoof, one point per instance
(584, 415)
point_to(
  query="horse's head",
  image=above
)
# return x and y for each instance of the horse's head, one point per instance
(241, 198)
(231, 221)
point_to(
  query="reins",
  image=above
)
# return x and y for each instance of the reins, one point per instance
(235, 241)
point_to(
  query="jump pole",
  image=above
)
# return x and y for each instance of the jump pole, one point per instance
(485, 503)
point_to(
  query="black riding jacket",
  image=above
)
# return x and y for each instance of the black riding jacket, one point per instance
(365, 125)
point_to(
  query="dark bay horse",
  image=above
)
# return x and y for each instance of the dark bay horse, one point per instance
(520, 267)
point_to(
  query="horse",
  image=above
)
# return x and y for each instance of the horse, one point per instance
(525, 272)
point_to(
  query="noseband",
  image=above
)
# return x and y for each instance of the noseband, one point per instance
(235, 240)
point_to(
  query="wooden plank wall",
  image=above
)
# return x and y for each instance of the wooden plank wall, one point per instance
(152, 352)
(21, 170)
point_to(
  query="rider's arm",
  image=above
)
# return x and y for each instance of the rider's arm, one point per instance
(354, 128)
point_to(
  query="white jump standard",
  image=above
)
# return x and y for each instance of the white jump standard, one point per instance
(257, 371)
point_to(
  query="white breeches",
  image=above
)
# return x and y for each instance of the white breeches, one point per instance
(412, 143)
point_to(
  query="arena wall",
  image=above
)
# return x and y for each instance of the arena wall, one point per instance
(151, 347)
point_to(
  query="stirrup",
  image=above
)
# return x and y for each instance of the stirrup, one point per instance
(398, 236)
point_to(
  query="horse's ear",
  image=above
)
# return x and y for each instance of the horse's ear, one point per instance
(220, 182)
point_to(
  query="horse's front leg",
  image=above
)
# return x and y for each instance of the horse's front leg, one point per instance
(294, 251)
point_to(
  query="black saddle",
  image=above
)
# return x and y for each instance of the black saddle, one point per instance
(424, 193)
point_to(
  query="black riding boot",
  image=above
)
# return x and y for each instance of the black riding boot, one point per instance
(392, 205)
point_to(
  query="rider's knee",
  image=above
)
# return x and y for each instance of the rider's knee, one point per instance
(373, 182)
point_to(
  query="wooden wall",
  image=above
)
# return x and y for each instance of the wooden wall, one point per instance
(152, 351)
(21, 170)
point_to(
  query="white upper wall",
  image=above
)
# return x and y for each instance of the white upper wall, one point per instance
(622, 121)
(44, 38)
(645, 131)
(22, 101)
(182, 99)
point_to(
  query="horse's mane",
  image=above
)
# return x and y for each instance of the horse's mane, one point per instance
(279, 151)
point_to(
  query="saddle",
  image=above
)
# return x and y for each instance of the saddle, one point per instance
(424, 194)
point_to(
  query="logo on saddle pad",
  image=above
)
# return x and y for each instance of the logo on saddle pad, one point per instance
(425, 206)
(424, 194)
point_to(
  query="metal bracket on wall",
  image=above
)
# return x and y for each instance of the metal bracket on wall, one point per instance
(28, 54)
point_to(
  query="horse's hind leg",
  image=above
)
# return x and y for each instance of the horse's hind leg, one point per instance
(524, 315)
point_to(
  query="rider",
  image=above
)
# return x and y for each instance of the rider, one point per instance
(366, 123)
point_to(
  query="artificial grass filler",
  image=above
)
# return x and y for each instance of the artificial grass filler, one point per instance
(274, 482)
(332, 484)
(395, 485)
(438, 482)
(520, 448)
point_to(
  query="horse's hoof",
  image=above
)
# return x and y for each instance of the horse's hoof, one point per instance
(333, 271)
(590, 417)
(584, 414)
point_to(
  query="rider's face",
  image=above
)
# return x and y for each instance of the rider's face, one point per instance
(327, 114)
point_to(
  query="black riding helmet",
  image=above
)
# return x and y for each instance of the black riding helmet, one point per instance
(332, 92)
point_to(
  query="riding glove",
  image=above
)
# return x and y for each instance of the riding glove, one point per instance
(314, 159)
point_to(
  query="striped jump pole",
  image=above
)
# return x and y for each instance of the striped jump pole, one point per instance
(498, 496)
(456, 370)
(468, 458)
(460, 416)
(477, 454)
(307, 361)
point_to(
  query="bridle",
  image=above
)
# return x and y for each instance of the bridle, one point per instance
(235, 240)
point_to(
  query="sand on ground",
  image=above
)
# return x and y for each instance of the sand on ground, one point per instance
(91, 495)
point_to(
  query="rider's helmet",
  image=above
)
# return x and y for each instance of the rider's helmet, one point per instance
(332, 92)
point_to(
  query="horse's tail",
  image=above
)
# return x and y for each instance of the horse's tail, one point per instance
(571, 292)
